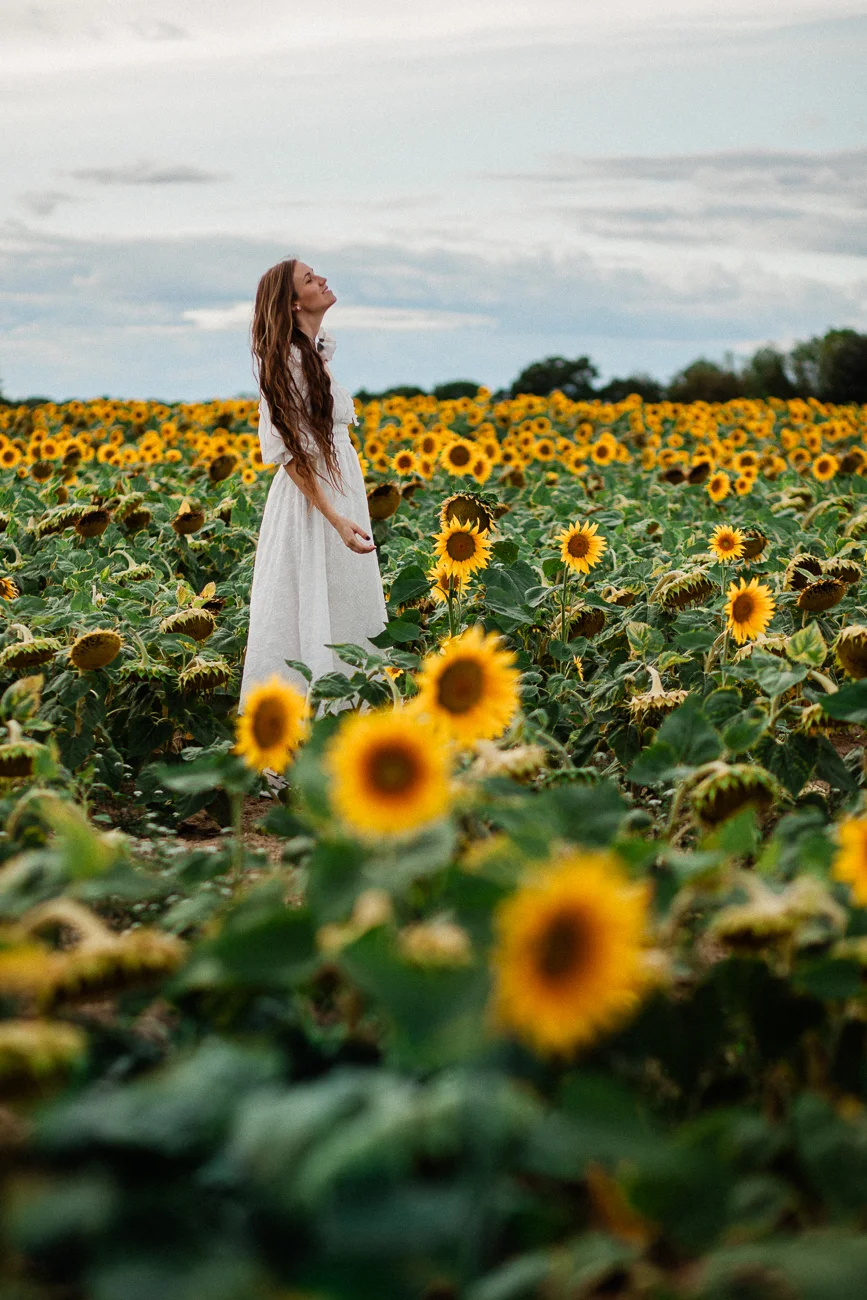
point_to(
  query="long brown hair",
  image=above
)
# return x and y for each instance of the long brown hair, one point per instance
(274, 333)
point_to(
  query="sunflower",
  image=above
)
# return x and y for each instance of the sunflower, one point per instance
(95, 649)
(443, 584)
(727, 543)
(850, 863)
(580, 547)
(8, 589)
(272, 726)
(603, 452)
(461, 549)
(388, 773)
(749, 609)
(470, 689)
(568, 963)
(851, 651)
(457, 457)
(404, 461)
(825, 467)
(744, 484)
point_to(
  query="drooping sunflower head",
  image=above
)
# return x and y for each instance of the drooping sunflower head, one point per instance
(461, 549)
(95, 649)
(222, 466)
(389, 773)
(801, 569)
(650, 707)
(749, 609)
(621, 596)
(851, 650)
(470, 690)
(383, 500)
(466, 508)
(568, 963)
(192, 622)
(203, 675)
(683, 589)
(189, 519)
(731, 788)
(822, 594)
(727, 543)
(273, 724)
(580, 546)
(755, 542)
(844, 568)
(582, 620)
(92, 523)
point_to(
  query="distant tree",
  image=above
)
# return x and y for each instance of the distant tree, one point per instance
(705, 381)
(651, 390)
(454, 389)
(805, 362)
(765, 375)
(573, 378)
(402, 390)
(843, 367)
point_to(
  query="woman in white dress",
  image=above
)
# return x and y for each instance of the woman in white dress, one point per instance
(316, 577)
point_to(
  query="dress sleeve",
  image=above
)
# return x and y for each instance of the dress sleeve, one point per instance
(273, 448)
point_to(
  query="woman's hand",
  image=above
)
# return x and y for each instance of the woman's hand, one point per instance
(353, 536)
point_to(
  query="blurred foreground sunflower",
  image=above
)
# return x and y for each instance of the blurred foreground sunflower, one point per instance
(272, 726)
(850, 864)
(568, 963)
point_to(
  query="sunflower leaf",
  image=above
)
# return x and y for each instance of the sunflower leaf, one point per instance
(807, 646)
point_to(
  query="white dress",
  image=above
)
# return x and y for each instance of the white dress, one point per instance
(309, 589)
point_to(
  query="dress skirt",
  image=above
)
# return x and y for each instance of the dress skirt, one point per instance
(309, 589)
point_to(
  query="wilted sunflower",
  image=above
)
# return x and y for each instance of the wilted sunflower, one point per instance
(749, 609)
(718, 486)
(801, 569)
(822, 594)
(461, 549)
(383, 501)
(95, 649)
(844, 568)
(470, 690)
(755, 542)
(467, 508)
(731, 787)
(580, 547)
(727, 543)
(272, 726)
(851, 651)
(388, 773)
(850, 863)
(568, 963)
(192, 622)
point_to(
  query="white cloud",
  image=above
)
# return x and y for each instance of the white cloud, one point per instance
(347, 318)
(149, 173)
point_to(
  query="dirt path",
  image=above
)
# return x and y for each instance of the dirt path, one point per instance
(202, 828)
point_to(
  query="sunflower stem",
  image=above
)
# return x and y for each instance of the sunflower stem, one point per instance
(563, 632)
(236, 803)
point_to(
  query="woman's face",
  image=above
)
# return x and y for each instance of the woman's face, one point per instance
(312, 292)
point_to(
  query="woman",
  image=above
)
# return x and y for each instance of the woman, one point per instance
(316, 576)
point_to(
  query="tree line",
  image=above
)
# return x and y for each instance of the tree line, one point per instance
(831, 367)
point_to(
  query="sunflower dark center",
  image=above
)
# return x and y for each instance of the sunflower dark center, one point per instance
(726, 542)
(461, 546)
(562, 946)
(393, 768)
(269, 724)
(461, 686)
(579, 545)
(459, 456)
(743, 607)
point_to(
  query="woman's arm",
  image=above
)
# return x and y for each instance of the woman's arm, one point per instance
(353, 536)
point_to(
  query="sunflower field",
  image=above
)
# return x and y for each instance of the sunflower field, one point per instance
(550, 981)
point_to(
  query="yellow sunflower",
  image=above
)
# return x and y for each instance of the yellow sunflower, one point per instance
(825, 467)
(580, 547)
(569, 958)
(749, 609)
(404, 461)
(850, 863)
(603, 452)
(443, 583)
(458, 456)
(470, 688)
(389, 773)
(272, 726)
(461, 549)
(727, 543)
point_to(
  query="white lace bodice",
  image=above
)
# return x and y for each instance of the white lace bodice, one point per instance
(272, 446)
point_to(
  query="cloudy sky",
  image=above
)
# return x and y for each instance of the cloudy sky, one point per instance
(484, 182)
